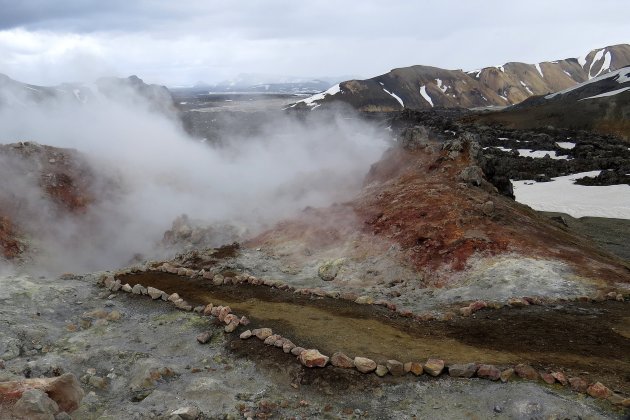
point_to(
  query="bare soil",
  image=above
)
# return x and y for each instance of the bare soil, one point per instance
(591, 340)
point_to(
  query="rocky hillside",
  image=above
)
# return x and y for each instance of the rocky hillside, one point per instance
(601, 104)
(422, 87)
(39, 180)
(17, 94)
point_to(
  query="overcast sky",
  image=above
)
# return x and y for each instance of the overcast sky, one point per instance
(181, 42)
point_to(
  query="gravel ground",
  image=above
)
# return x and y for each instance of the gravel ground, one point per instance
(146, 363)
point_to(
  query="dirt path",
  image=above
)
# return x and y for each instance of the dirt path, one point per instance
(587, 339)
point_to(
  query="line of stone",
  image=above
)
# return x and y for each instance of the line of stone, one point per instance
(465, 311)
(312, 358)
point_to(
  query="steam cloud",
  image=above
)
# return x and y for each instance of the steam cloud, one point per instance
(161, 173)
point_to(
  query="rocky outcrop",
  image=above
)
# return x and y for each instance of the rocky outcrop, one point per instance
(65, 391)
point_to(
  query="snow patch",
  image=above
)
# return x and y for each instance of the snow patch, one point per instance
(562, 195)
(526, 87)
(440, 86)
(537, 154)
(425, 95)
(539, 69)
(318, 97)
(622, 74)
(598, 56)
(606, 65)
(394, 96)
(565, 145)
(611, 93)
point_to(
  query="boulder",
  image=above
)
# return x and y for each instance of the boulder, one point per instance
(174, 298)
(204, 337)
(506, 375)
(578, 384)
(35, 405)
(364, 365)
(262, 333)
(414, 367)
(381, 370)
(560, 377)
(464, 370)
(548, 378)
(434, 367)
(340, 360)
(313, 358)
(186, 413)
(154, 293)
(296, 351)
(526, 372)
(488, 372)
(599, 390)
(395, 367)
(245, 335)
(138, 289)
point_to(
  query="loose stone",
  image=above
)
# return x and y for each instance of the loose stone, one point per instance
(138, 289)
(204, 337)
(208, 309)
(560, 377)
(364, 365)
(578, 384)
(488, 372)
(395, 367)
(465, 370)
(287, 347)
(246, 334)
(313, 358)
(340, 360)
(296, 351)
(381, 370)
(271, 340)
(548, 378)
(598, 390)
(506, 375)
(127, 288)
(263, 333)
(174, 297)
(526, 372)
(154, 293)
(231, 327)
(434, 367)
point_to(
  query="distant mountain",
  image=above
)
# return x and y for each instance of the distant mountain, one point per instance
(423, 87)
(601, 104)
(14, 93)
(262, 83)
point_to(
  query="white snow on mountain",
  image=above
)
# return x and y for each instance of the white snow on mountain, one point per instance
(394, 96)
(425, 95)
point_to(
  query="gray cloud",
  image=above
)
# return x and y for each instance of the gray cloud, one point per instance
(181, 42)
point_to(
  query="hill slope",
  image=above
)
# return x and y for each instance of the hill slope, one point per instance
(601, 104)
(422, 87)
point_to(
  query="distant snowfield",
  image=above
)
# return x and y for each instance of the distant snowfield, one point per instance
(562, 195)
(537, 154)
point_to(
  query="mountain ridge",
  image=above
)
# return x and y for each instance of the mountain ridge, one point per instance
(423, 87)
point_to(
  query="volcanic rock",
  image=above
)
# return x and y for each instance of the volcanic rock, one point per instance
(364, 365)
(526, 372)
(598, 390)
(381, 370)
(488, 372)
(340, 360)
(434, 367)
(466, 370)
(395, 368)
(313, 358)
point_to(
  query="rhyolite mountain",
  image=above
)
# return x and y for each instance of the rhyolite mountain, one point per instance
(423, 87)
(601, 104)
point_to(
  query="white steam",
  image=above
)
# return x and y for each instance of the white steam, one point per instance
(163, 173)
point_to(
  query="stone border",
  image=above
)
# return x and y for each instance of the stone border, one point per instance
(312, 358)
(465, 311)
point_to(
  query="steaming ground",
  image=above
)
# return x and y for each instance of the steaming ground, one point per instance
(149, 172)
